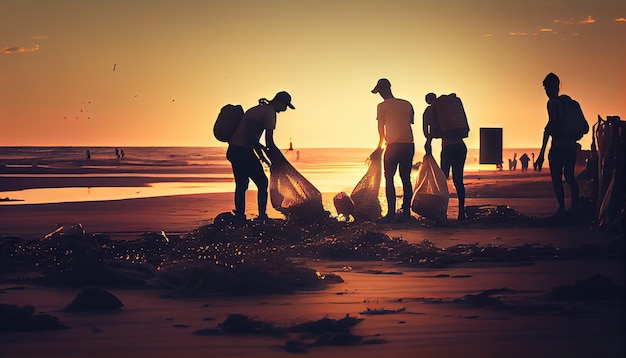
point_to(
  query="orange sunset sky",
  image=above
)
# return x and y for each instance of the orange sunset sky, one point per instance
(156, 73)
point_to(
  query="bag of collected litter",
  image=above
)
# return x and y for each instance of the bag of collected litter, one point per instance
(291, 193)
(430, 195)
(344, 205)
(365, 193)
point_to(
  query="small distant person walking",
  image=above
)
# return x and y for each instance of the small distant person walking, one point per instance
(453, 153)
(245, 152)
(524, 160)
(395, 117)
(563, 149)
(88, 154)
(534, 162)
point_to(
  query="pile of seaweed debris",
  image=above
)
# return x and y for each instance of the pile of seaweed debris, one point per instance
(253, 257)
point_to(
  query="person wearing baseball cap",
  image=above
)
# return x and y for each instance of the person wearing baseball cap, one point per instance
(245, 152)
(395, 117)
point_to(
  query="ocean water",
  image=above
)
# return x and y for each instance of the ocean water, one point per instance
(200, 170)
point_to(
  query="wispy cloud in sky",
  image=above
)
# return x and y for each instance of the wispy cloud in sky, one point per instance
(588, 20)
(12, 50)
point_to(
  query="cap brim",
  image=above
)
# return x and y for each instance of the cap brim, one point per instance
(375, 90)
(290, 106)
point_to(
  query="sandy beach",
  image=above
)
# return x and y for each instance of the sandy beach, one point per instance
(470, 308)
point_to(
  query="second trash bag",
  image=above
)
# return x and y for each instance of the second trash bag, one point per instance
(291, 193)
(430, 195)
(365, 193)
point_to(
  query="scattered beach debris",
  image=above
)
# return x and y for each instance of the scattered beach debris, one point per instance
(323, 332)
(250, 257)
(379, 311)
(594, 288)
(93, 298)
(483, 299)
(16, 318)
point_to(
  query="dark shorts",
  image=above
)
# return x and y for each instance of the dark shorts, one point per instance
(399, 155)
(453, 156)
(245, 165)
(562, 157)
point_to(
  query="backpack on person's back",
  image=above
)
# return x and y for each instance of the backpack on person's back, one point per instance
(573, 124)
(449, 119)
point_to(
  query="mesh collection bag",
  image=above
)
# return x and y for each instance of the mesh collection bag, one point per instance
(291, 193)
(430, 195)
(365, 193)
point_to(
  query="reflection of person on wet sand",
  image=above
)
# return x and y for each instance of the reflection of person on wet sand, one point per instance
(563, 150)
(395, 117)
(524, 159)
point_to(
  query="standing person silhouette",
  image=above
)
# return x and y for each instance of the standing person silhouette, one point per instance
(453, 154)
(563, 148)
(245, 152)
(395, 117)
(524, 159)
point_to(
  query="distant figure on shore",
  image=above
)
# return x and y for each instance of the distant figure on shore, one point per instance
(88, 154)
(453, 153)
(524, 159)
(395, 117)
(245, 153)
(119, 153)
(534, 162)
(564, 147)
(513, 162)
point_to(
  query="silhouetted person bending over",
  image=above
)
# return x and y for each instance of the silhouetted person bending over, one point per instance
(395, 117)
(246, 153)
(563, 149)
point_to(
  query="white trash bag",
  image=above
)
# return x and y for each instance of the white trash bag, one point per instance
(430, 194)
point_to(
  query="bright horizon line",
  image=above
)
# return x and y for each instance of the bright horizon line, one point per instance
(208, 146)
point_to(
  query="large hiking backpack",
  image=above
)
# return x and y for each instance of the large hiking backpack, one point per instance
(573, 122)
(449, 119)
(227, 121)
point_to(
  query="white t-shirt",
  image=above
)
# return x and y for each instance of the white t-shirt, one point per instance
(397, 116)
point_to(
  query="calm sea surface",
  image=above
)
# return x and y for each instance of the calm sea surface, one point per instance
(329, 169)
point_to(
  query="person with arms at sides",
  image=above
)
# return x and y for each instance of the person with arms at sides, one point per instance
(453, 153)
(245, 152)
(563, 148)
(395, 117)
